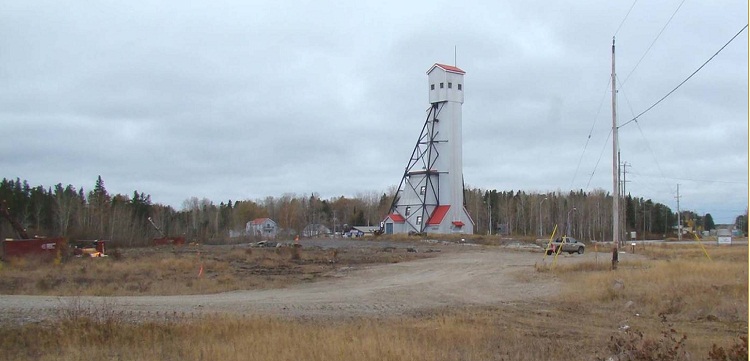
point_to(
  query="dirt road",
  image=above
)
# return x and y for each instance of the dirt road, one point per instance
(480, 276)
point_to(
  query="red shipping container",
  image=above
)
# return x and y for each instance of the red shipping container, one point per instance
(38, 246)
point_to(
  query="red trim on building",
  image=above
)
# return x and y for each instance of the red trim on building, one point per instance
(437, 215)
(458, 223)
(448, 68)
(396, 218)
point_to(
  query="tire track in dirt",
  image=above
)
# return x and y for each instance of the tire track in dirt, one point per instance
(483, 276)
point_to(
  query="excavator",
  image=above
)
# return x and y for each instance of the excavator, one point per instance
(22, 234)
(25, 245)
(164, 240)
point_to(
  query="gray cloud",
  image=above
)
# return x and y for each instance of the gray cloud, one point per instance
(235, 100)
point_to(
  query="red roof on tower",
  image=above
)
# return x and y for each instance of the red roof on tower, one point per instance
(448, 68)
(437, 215)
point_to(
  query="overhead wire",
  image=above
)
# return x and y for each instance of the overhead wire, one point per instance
(596, 118)
(652, 44)
(686, 79)
(635, 118)
(601, 103)
(626, 16)
(588, 138)
(648, 144)
(604, 148)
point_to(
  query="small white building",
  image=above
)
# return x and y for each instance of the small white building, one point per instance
(262, 227)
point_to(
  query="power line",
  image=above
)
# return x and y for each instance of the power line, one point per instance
(652, 44)
(623, 19)
(686, 79)
(648, 144)
(585, 146)
(656, 160)
(600, 158)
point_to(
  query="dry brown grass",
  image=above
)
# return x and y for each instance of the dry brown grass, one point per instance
(684, 284)
(175, 271)
(528, 331)
(706, 301)
(508, 333)
(679, 288)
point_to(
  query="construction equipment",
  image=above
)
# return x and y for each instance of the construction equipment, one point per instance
(25, 245)
(164, 240)
(13, 222)
(92, 249)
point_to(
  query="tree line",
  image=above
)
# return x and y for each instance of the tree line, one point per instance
(78, 214)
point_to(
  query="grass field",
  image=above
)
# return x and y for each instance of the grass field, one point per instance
(674, 304)
(184, 270)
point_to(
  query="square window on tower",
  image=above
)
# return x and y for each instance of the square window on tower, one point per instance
(450, 85)
(442, 85)
(423, 190)
(408, 210)
(432, 86)
(419, 220)
(459, 86)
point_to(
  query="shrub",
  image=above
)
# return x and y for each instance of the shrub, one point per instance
(633, 345)
(736, 352)
(295, 254)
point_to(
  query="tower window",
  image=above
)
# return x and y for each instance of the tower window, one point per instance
(432, 86)
(442, 85)
(450, 85)
(419, 220)
(423, 189)
(459, 86)
(408, 210)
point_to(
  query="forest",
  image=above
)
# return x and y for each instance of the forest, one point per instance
(80, 214)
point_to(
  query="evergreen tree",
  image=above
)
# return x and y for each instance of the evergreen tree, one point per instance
(708, 222)
(741, 223)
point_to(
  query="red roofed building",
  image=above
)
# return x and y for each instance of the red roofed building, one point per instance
(262, 227)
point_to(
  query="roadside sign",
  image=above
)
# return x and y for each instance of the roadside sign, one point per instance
(725, 240)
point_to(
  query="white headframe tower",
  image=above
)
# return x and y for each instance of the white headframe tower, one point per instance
(430, 197)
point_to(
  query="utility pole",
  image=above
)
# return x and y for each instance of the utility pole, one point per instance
(625, 166)
(644, 221)
(666, 222)
(624, 205)
(615, 173)
(541, 227)
(623, 193)
(489, 214)
(679, 221)
(334, 224)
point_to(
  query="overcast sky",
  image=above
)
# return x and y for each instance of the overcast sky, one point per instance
(235, 100)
